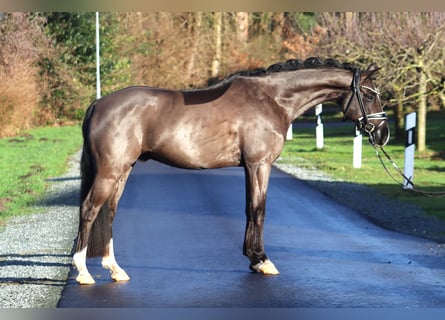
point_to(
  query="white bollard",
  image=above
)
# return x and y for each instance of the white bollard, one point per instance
(319, 135)
(357, 153)
(410, 127)
(289, 133)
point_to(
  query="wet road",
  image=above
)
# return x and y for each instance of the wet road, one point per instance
(179, 233)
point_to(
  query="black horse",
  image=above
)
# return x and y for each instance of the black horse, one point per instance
(241, 121)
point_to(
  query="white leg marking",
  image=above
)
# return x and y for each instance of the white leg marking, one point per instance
(266, 267)
(79, 262)
(109, 262)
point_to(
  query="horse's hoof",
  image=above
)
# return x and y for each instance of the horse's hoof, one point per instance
(266, 267)
(85, 278)
(120, 275)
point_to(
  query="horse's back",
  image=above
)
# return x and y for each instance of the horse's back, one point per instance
(139, 97)
(128, 108)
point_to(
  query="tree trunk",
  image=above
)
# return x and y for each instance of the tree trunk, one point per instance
(194, 51)
(421, 116)
(349, 22)
(217, 20)
(280, 30)
(399, 114)
(242, 24)
(442, 97)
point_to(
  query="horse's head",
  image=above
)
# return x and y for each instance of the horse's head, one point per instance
(363, 106)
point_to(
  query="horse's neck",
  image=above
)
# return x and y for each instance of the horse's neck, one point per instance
(298, 91)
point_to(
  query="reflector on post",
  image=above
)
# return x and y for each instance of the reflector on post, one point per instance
(410, 127)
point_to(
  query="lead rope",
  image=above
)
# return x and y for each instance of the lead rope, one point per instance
(408, 180)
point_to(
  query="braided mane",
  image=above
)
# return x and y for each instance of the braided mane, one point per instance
(289, 65)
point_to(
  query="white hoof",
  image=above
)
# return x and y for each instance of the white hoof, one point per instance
(117, 273)
(266, 267)
(120, 275)
(85, 278)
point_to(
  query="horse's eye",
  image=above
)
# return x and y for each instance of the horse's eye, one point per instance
(369, 97)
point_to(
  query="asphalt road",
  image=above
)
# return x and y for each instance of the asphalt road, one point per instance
(179, 233)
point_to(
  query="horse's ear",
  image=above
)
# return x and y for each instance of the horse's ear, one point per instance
(373, 68)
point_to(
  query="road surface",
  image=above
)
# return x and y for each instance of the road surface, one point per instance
(179, 233)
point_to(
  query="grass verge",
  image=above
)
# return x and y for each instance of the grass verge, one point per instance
(28, 160)
(335, 159)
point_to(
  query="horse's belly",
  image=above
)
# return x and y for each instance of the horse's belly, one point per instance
(197, 151)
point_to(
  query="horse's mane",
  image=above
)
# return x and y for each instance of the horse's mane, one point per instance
(289, 65)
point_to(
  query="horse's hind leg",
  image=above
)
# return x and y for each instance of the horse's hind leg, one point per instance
(98, 194)
(109, 260)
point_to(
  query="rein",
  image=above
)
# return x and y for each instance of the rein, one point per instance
(363, 124)
(399, 171)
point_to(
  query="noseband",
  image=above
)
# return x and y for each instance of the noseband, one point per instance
(363, 123)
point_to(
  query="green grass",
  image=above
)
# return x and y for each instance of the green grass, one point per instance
(336, 160)
(28, 160)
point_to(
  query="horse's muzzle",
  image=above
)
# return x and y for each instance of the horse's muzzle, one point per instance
(378, 135)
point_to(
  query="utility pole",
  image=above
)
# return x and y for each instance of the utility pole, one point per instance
(98, 94)
(217, 20)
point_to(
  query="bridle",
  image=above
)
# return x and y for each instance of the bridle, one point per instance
(363, 123)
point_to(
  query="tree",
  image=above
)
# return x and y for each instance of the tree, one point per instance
(74, 35)
(409, 47)
(242, 24)
(70, 73)
(217, 44)
(300, 35)
(195, 30)
(22, 41)
(171, 50)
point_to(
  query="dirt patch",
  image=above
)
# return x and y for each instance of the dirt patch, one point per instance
(4, 203)
(21, 138)
(36, 168)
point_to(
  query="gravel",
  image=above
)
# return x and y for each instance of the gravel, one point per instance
(35, 250)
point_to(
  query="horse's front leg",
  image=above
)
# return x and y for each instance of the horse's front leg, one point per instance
(257, 180)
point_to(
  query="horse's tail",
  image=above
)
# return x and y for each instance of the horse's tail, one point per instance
(100, 233)
(87, 169)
